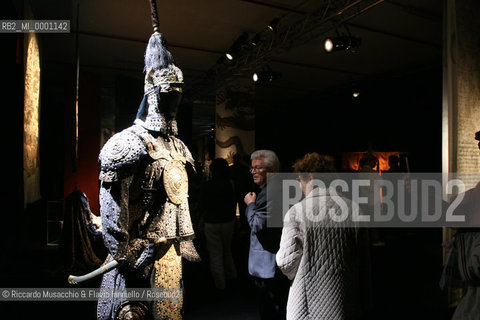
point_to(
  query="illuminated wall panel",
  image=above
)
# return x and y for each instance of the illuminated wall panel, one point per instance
(461, 97)
(461, 87)
(31, 155)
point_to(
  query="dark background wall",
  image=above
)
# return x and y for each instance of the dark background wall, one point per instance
(11, 90)
(397, 113)
(82, 173)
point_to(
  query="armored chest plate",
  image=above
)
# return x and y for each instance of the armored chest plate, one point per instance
(175, 181)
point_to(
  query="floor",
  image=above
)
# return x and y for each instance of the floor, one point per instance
(405, 274)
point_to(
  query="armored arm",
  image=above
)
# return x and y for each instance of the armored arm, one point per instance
(118, 160)
(130, 252)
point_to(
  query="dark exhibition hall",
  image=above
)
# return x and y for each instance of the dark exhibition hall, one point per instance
(240, 159)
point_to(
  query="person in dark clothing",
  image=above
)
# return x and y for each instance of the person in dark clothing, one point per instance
(394, 163)
(218, 207)
(81, 244)
(242, 184)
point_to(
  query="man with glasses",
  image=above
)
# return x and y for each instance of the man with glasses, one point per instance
(272, 286)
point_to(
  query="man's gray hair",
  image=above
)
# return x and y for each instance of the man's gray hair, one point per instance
(270, 158)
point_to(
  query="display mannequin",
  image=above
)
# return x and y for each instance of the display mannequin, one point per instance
(144, 198)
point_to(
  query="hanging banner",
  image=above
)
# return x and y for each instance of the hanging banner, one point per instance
(31, 154)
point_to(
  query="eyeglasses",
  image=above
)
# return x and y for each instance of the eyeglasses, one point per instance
(256, 169)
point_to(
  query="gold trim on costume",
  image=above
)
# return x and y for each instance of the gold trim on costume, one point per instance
(175, 181)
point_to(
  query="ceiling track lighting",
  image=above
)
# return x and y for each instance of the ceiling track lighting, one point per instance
(341, 43)
(266, 75)
(236, 46)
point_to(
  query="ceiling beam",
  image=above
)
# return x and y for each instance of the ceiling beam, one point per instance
(311, 66)
(302, 30)
(274, 6)
(425, 14)
(394, 35)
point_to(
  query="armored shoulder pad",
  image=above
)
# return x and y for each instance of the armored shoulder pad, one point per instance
(119, 155)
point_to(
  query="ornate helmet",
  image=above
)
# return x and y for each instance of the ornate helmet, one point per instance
(163, 85)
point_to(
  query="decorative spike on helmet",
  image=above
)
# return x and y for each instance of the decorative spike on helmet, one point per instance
(163, 84)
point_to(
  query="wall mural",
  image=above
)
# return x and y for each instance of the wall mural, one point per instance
(240, 119)
(235, 121)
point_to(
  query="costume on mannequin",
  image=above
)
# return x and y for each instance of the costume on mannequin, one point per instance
(144, 197)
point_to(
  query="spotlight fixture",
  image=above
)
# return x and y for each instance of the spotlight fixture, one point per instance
(356, 94)
(236, 46)
(274, 24)
(341, 43)
(266, 76)
(328, 45)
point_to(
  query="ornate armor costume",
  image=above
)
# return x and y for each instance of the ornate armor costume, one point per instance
(144, 198)
(145, 183)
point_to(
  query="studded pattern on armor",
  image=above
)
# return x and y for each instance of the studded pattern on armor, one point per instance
(167, 274)
(119, 154)
(136, 210)
(167, 79)
(175, 181)
(155, 212)
(132, 310)
(157, 82)
(107, 304)
(155, 119)
(125, 248)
